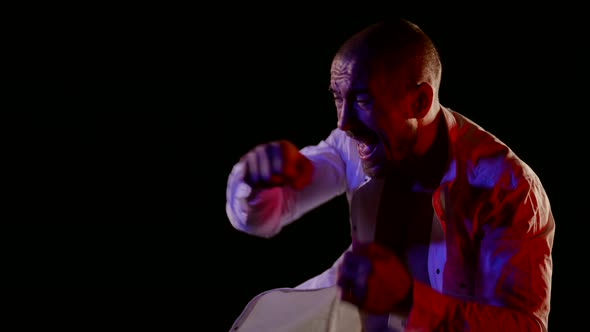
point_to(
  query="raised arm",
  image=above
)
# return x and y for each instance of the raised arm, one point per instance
(276, 183)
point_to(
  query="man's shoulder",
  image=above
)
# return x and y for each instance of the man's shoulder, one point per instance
(486, 158)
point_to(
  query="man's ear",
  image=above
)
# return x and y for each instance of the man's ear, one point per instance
(423, 98)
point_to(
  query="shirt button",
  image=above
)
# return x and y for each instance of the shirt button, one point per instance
(437, 271)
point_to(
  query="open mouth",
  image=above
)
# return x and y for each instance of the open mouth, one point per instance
(367, 142)
(366, 150)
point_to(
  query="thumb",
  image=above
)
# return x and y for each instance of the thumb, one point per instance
(298, 169)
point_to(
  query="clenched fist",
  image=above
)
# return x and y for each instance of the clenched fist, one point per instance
(277, 163)
(374, 278)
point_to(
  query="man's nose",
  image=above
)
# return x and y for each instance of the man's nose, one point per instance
(346, 118)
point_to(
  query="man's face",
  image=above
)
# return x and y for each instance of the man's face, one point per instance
(372, 110)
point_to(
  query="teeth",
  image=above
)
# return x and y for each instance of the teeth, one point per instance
(366, 150)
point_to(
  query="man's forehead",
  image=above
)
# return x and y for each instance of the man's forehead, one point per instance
(348, 68)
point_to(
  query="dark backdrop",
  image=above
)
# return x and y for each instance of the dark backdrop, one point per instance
(127, 124)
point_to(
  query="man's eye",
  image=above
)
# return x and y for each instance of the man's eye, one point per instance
(363, 101)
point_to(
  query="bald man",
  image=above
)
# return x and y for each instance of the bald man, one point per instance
(451, 231)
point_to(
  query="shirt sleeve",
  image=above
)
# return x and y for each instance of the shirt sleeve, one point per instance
(514, 268)
(434, 311)
(264, 212)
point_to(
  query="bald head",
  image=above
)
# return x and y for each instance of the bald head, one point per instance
(385, 82)
(395, 49)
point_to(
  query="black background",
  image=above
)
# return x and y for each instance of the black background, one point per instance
(124, 124)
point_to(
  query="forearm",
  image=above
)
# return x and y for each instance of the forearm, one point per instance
(264, 212)
(433, 311)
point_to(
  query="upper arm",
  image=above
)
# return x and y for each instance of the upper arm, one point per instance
(331, 176)
(515, 261)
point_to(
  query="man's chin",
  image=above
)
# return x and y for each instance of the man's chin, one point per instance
(373, 171)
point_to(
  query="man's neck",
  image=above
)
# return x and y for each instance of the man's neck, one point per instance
(427, 132)
(427, 168)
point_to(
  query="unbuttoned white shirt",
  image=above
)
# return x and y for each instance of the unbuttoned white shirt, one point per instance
(491, 237)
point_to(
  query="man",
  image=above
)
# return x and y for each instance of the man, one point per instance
(451, 231)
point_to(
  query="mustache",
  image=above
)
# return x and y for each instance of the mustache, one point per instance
(361, 134)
